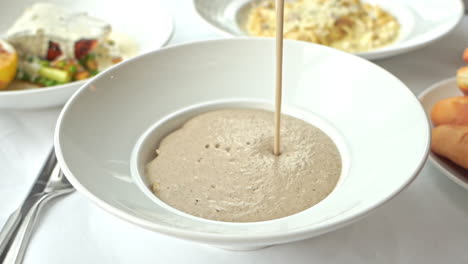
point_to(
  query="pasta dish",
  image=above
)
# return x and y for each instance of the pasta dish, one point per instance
(349, 25)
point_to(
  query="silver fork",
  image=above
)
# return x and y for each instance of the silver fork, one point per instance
(16, 233)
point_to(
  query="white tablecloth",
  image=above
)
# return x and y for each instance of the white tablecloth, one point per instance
(427, 223)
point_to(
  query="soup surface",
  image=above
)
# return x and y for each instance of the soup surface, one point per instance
(220, 165)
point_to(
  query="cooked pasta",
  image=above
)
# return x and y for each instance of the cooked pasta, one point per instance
(348, 25)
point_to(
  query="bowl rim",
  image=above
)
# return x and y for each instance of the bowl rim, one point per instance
(220, 238)
(390, 50)
(138, 175)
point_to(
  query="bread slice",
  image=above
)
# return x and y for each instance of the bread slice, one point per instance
(462, 79)
(452, 110)
(451, 142)
(465, 55)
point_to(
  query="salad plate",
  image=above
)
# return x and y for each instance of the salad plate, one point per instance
(146, 24)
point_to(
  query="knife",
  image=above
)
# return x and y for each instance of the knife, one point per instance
(15, 219)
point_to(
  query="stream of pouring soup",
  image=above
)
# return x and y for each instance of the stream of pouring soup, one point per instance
(220, 165)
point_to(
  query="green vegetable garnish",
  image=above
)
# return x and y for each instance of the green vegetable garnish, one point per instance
(73, 69)
(61, 64)
(55, 74)
(41, 80)
(44, 63)
(90, 56)
(26, 77)
(23, 76)
(50, 83)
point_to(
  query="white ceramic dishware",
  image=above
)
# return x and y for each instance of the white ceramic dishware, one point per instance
(144, 150)
(387, 139)
(146, 22)
(429, 97)
(421, 22)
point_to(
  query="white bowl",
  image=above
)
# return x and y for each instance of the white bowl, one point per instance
(114, 12)
(429, 97)
(422, 22)
(383, 126)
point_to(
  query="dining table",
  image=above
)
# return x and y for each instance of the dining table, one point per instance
(426, 223)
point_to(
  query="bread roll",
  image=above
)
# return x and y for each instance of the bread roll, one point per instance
(462, 79)
(453, 110)
(451, 142)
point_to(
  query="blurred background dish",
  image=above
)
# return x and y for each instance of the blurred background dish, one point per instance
(51, 67)
(421, 22)
(387, 145)
(439, 91)
(8, 64)
(348, 25)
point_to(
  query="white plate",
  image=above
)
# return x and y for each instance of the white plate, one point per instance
(387, 140)
(441, 90)
(144, 21)
(422, 22)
